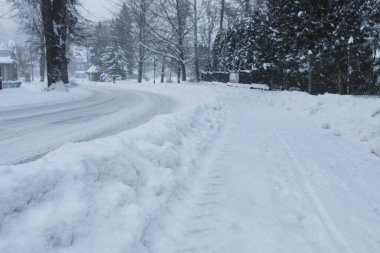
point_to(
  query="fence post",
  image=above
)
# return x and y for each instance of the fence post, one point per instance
(311, 70)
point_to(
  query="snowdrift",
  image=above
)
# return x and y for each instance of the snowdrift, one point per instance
(100, 196)
(35, 94)
(356, 118)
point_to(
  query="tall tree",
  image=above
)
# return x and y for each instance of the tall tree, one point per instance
(59, 22)
(52, 42)
(196, 51)
(222, 12)
(123, 30)
(141, 10)
(100, 39)
(114, 60)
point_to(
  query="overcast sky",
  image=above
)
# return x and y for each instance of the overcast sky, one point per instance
(98, 9)
(93, 9)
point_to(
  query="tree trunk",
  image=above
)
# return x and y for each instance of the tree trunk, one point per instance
(311, 73)
(222, 10)
(142, 23)
(140, 70)
(196, 55)
(184, 77)
(179, 73)
(163, 70)
(52, 42)
(60, 10)
(42, 58)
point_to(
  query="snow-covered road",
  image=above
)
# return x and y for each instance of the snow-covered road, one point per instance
(30, 131)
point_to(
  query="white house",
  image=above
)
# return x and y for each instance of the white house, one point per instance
(8, 65)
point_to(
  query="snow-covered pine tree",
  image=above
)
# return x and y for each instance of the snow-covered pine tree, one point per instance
(346, 52)
(283, 22)
(123, 24)
(114, 60)
(100, 40)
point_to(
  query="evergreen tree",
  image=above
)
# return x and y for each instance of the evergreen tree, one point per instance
(101, 40)
(315, 45)
(123, 27)
(113, 59)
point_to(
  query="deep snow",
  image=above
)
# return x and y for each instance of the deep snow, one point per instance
(227, 170)
(35, 94)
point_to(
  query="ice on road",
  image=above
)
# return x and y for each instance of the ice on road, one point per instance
(30, 131)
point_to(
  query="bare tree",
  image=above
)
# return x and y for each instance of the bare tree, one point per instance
(208, 25)
(174, 30)
(222, 11)
(196, 52)
(141, 11)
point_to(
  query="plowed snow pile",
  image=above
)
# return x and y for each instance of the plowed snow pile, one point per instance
(356, 118)
(100, 196)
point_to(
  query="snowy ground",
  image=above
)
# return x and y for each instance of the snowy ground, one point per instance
(35, 94)
(225, 170)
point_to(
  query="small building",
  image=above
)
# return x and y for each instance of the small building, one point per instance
(80, 74)
(94, 73)
(78, 63)
(8, 65)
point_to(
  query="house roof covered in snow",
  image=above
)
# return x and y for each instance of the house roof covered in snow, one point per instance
(93, 70)
(6, 60)
(7, 56)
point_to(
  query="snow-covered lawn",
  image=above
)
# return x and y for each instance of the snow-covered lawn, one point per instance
(228, 170)
(35, 94)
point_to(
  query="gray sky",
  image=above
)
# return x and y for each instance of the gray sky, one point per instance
(98, 9)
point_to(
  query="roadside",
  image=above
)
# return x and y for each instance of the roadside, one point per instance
(278, 183)
(34, 94)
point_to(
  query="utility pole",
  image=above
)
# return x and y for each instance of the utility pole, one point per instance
(154, 67)
(311, 70)
(349, 67)
(31, 63)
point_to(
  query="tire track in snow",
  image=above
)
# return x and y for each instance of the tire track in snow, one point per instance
(339, 240)
(29, 133)
(188, 223)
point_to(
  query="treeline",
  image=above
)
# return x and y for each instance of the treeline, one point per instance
(113, 46)
(313, 45)
(174, 35)
(144, 32)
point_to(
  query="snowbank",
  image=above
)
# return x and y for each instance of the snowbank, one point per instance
(351, 117)
(100, 196)
(35, 93)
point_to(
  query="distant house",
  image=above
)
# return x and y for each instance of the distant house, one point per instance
(94, 73)
(8, 65)
(78, 62)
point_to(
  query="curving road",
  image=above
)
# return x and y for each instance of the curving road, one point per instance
(27, 133)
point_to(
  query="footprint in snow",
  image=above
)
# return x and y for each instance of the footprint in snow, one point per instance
(376, 151)
(326, 126)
